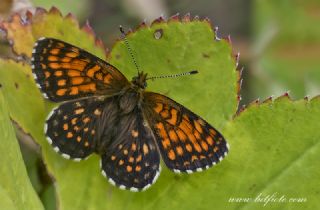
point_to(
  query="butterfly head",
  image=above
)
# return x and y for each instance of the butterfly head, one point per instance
(140, 81)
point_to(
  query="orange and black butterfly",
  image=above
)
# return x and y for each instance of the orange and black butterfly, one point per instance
(102, 112)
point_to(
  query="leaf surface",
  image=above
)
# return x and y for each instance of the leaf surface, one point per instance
(16, 191)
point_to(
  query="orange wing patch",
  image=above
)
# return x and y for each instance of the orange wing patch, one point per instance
(187, 143)
(65, 72)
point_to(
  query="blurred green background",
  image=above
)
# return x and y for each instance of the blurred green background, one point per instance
(279, 43)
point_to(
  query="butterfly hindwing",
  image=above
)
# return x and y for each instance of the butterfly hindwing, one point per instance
(73, 128)
(132, 160)
(64, 72)
(187, 143)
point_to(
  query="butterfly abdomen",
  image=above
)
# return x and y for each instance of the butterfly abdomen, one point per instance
(118, 112)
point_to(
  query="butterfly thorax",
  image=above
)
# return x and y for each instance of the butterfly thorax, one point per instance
(133, 96)
(140, 81)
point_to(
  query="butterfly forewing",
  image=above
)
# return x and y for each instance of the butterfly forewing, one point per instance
(187, 143)
(64, 72)
(131, 160)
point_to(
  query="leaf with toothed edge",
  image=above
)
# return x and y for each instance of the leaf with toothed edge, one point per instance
(264, 158)
(277, 143)
(40, 25)
(64, 6)
(209, 56)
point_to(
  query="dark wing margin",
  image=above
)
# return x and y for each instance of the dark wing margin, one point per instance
(73, 128)
(187, 143)
(131, 161)
(64, 72)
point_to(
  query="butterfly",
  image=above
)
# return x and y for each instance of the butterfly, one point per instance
(102, 112)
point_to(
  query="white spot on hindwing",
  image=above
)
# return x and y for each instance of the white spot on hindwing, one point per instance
(111, 182)
(189, 171)
(65, 156)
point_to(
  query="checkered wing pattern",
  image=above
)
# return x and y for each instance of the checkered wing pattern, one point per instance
(74, 128)
(64, 72)
(187, 143)
(131, 160)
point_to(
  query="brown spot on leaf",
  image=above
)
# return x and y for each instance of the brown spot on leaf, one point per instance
(205, 55)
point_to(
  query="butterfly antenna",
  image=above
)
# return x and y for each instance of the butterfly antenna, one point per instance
(129, 48)
(174, 75)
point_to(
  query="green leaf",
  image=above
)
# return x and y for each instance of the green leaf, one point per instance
(183, 46)
(16, 191)
(275, 148)
(25, 103)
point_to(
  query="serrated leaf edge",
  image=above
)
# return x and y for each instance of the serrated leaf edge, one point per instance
(271, 100)
(52, 11)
